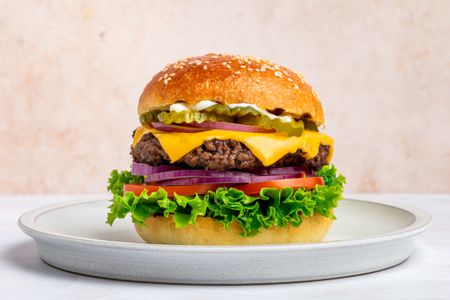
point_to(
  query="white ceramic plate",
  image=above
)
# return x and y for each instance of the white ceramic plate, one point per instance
(366, 237)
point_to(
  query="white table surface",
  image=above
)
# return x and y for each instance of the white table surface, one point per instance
(425, 275)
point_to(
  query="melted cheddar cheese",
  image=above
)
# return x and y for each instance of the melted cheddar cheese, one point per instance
(267, 147)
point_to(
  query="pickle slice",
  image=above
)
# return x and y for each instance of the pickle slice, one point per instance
(240, 115)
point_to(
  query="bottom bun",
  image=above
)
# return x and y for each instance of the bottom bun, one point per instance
(207, 231)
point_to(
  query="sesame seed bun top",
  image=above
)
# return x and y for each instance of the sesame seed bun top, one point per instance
(230, 79)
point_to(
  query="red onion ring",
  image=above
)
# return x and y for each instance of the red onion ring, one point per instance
(142, 169)
(230, 126)
(180, 174)
(224, 180)
(283, 170)
(171, 172)
(175, 128)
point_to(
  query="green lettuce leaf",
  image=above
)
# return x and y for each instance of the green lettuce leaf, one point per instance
(118, 179)
(272, 207)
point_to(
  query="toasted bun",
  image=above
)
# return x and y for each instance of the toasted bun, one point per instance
(206, 231)
(230, 79)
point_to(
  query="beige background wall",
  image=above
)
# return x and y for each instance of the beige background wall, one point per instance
(71, 73)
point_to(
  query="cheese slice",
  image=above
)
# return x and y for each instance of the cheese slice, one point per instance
(267, 147)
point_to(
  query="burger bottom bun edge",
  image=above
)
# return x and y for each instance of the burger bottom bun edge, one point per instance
(208, 231)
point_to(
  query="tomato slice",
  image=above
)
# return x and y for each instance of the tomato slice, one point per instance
(184, 190)
(305, 182)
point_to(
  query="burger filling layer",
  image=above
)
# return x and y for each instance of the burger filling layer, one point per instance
(268, 148)
(223, 172)
(218, 154)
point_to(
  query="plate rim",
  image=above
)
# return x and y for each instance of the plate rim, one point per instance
(27, 223)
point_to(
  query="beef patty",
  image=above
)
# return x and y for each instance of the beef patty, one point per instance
(220, 155)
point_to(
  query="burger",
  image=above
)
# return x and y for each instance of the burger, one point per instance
(228, 152)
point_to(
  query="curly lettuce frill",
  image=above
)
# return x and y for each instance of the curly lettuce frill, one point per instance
(272, 207)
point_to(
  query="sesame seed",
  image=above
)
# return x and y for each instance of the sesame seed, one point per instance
(300, 75)
(172, 74)
(228, 66)
(224, 63)
(250, 69)
(237, 72)
(243, 66)
(205, 67)
(290, 80)
(296, 87)
(257, 59)
(223, 55)
(165, 76)
(278, 74)
(159, 79)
